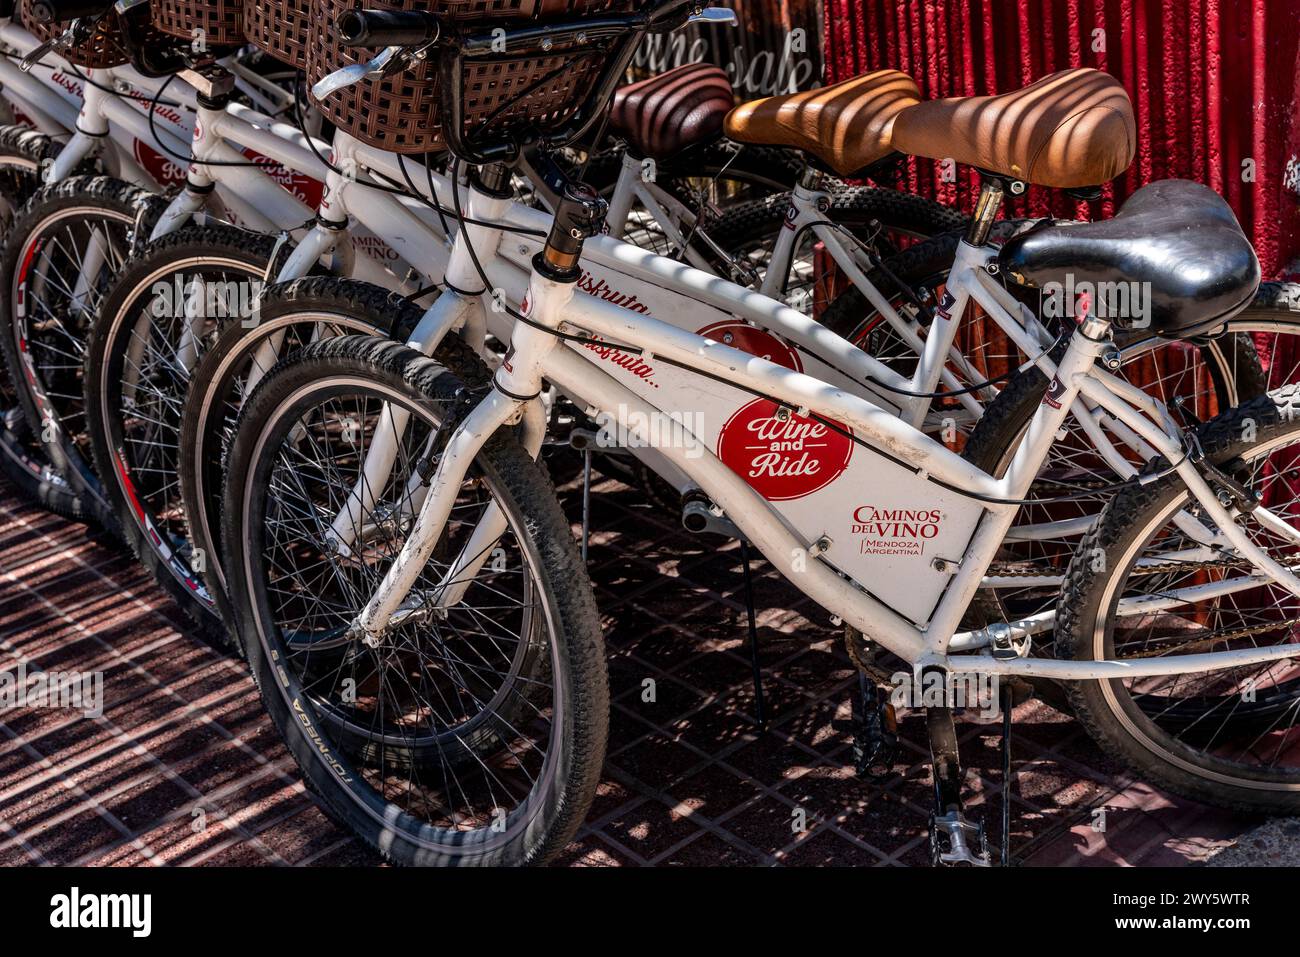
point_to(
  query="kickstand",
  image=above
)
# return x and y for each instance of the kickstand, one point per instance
(953, 838)
(1007, 703)
(760, 718)
(586, 502)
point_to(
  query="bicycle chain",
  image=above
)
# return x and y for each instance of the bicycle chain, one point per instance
(1212, 638)
(1018, 571)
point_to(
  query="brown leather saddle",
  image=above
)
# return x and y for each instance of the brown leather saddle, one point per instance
(1072, 129)
(667, 114)
(846, 125)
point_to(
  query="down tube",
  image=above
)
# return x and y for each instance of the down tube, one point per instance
(744, 506)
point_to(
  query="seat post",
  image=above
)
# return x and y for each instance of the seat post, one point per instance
(986, 209)
(811, 177)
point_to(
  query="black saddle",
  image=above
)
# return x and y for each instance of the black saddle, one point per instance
(1173, 257)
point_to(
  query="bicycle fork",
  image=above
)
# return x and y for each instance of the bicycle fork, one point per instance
(516, 388)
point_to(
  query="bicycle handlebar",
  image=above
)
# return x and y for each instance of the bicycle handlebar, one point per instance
(60, 11)
(386, 28)
(404, 35)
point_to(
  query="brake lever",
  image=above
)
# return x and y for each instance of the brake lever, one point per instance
(715, 16)
(35, 57)
(388, 62)
(78, 31)
(124, 6)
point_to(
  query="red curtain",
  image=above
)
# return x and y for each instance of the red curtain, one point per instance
(1214, 84)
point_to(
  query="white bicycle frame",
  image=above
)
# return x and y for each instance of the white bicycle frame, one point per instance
(60, 102)
(536, 355)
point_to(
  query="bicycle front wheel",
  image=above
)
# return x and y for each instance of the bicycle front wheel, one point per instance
(472, 731)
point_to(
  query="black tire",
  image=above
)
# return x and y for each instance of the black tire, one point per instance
(743, 172)
(886, 218)
(1235, 377)
(1198, 736)
(133, 437)
(50, 392)
(23, 154)
(555, 804)
(215, 390)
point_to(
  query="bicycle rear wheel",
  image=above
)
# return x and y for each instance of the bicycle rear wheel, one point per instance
(887, 219)
(470, 734)
(1140, 586)
(1197, 380)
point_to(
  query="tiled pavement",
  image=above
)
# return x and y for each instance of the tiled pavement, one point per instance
(182, 768)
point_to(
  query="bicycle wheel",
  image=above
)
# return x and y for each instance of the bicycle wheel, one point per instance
(292, 314)
(888, 219)
(1141, 585)
(60, 257)
(23, 155)
(1197, 381)
(156, 322)
(469, 735)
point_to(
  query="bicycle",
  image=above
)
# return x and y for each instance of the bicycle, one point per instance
(207, 418)
(384, 533)
(165, 523)
(264, 181)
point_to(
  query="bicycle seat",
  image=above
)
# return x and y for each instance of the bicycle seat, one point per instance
(1071, 129)
(666, 114)
(846, 125)
(1180, 240)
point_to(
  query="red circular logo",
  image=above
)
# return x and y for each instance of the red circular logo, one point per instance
(782, 458)
(306, 190)
(755, 341)
(164, 172)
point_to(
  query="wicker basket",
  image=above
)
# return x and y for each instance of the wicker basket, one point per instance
(103, 50)
(401, 113)
(222, 21)
(281, 28)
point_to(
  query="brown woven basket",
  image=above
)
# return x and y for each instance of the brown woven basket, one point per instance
(222, 21)
(281, 28)
(401, 113)
(103, 50)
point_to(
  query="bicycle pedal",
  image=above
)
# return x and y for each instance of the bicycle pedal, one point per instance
(874, 727)
(953, 840)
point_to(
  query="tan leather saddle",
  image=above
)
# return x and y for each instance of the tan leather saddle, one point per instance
(666, 114)
(846, 125)
(1074, 128)
(1071, 129)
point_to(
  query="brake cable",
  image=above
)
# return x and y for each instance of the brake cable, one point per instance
(1111, 488)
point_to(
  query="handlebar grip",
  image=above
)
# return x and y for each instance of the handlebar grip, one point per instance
(60, 11)
(385, 28)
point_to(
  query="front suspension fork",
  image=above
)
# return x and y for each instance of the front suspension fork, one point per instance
(516, 385)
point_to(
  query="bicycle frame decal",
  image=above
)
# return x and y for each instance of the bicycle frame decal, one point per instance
(781, 454)
(755, 341)
(165, 172)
